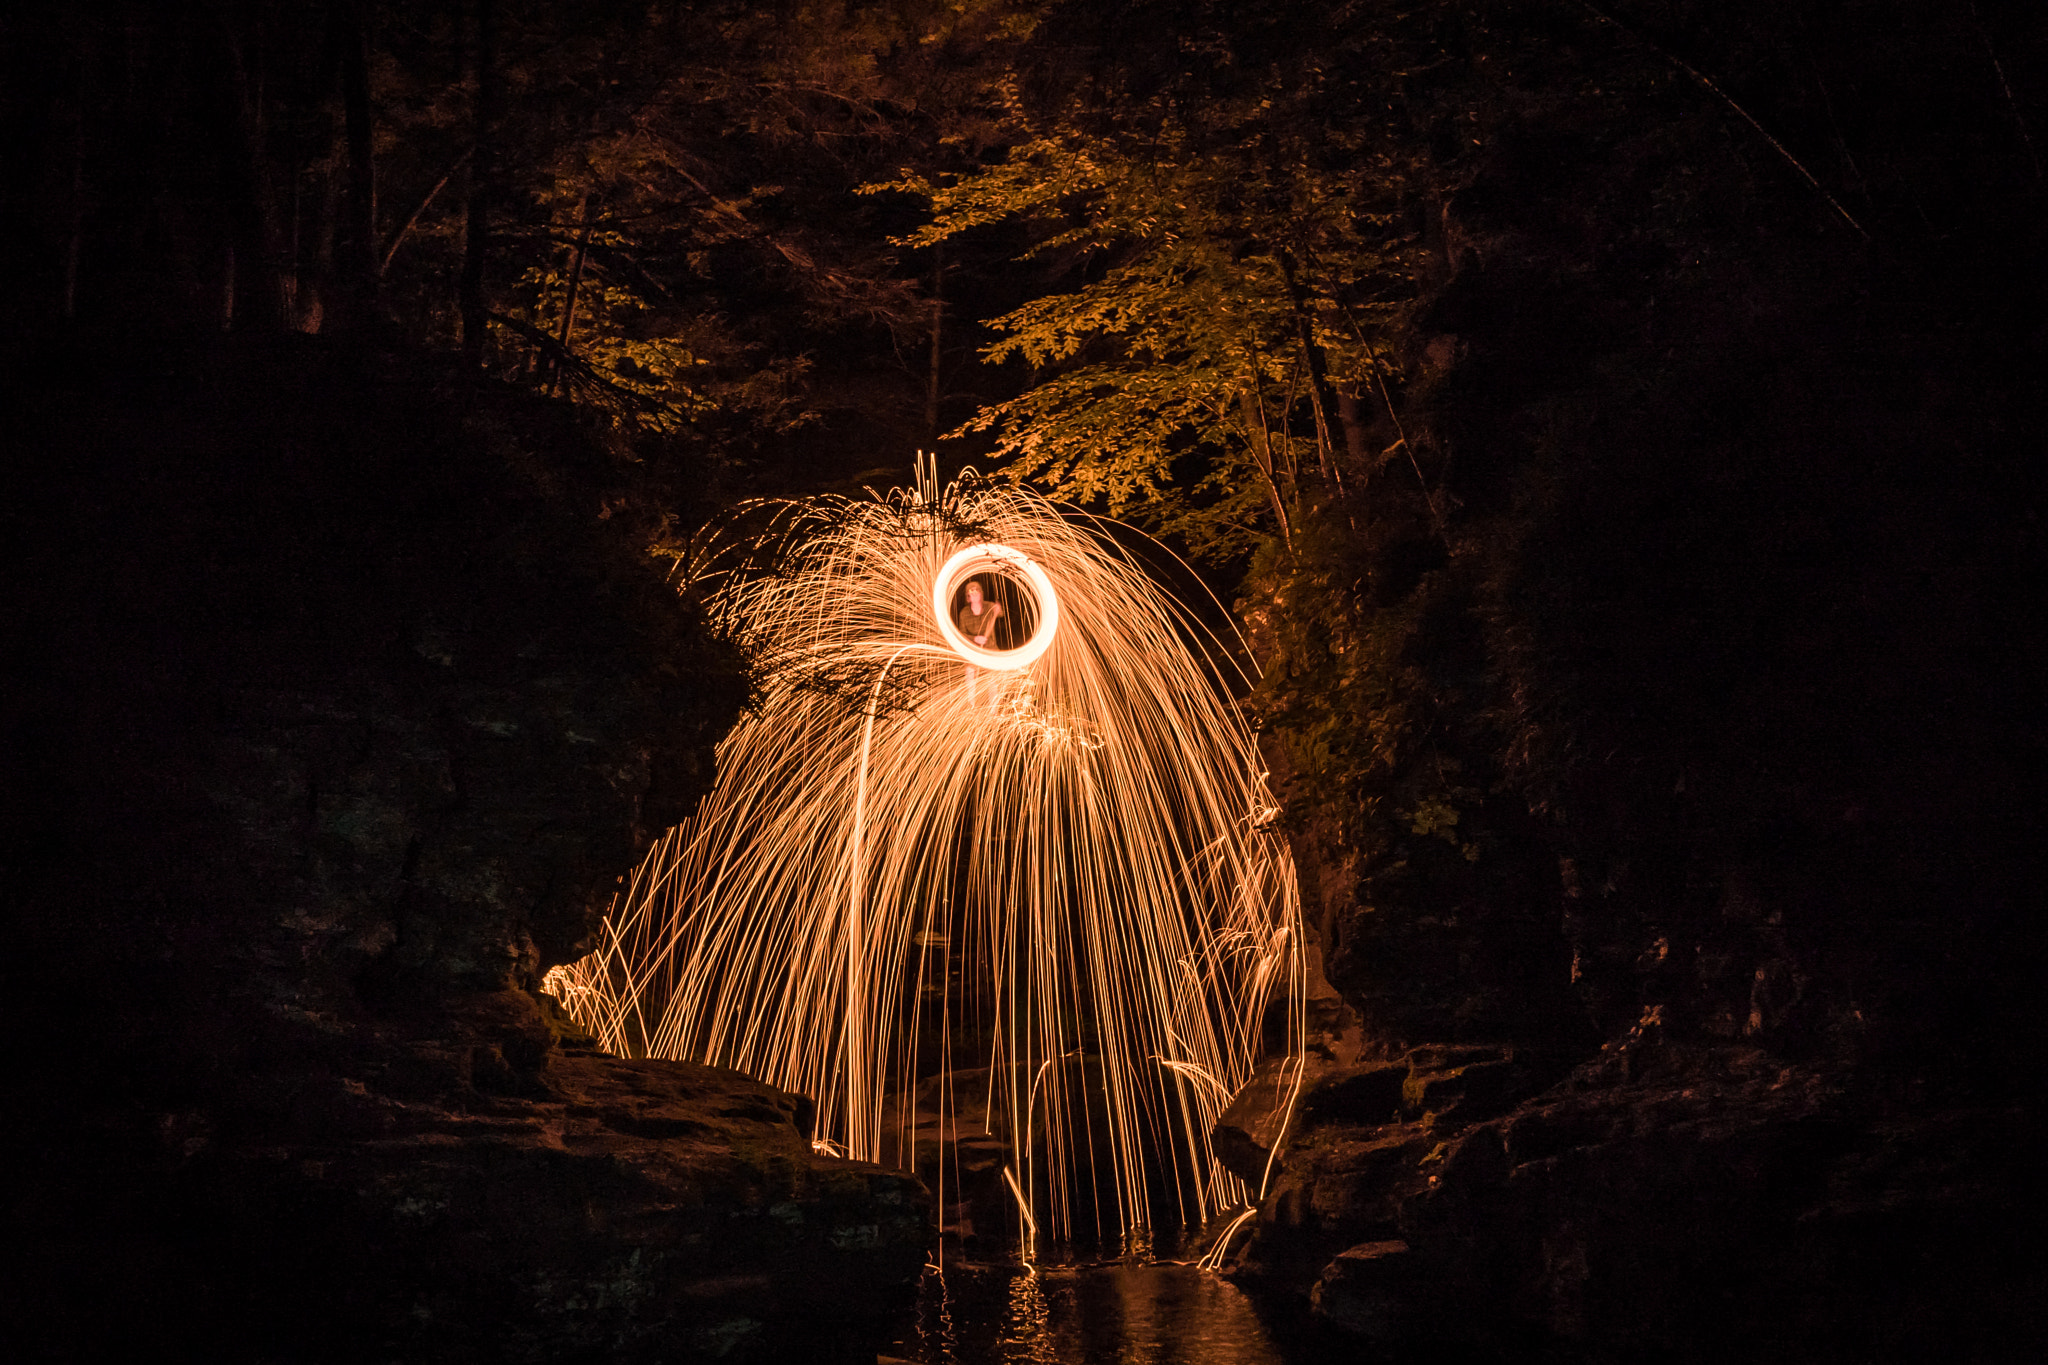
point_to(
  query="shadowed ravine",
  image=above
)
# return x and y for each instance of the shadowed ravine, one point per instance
(1604, 925)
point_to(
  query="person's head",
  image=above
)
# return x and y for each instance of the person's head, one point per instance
(974, 593)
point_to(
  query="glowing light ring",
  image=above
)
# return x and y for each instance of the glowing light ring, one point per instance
(972, 560)
(1083, 839)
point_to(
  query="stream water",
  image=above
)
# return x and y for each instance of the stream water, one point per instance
(1116, 1313)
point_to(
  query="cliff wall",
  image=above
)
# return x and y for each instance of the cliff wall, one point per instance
(1662, 740)
(340, 694)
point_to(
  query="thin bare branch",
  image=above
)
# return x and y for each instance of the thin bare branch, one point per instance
(1722, 95)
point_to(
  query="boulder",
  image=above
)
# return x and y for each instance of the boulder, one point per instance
(1368, 1291)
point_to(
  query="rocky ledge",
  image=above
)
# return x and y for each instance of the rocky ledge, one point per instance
(1660, 1201)
(481, 1186)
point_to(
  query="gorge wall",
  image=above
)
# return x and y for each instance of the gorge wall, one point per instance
(1655, 696)
(340, 692)
(1663, 741)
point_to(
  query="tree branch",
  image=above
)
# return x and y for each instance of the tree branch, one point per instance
(398, 237)
(1722, 95)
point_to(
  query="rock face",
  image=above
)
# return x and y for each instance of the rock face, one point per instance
(1658, 1202)
(339, 698)
(1668, 712)
(480, 1190)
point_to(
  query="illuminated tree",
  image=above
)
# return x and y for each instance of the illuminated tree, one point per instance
(1227, 246)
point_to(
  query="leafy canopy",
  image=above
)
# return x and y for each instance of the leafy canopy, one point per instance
(1225, 275)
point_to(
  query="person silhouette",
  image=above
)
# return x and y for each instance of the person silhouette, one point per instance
(977, 621)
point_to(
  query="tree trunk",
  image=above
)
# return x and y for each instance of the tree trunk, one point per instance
(295, 278)
(1351, 417)
(1253, 414)
(1318, 378)
(254, 294)
(476, 233)
(328, 292)
(575, 282)
(356, 245)
(1379, 379)
(931, 391)
(74, 227)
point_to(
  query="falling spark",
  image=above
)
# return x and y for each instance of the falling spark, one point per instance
(1051, 856)
(1213, 1258)
(1023, 1204)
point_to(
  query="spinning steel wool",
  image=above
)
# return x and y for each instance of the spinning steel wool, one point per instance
(1021, 892)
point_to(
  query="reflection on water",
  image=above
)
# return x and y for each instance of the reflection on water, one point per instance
(1133, 1313)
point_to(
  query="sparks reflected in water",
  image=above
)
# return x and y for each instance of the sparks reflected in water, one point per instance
(1012, 914)
(1027, 1329)
(1128, 1314)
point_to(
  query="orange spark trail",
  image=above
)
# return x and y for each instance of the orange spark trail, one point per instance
(1057, 848)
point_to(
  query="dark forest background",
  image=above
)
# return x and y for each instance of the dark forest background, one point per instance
(1616, 426)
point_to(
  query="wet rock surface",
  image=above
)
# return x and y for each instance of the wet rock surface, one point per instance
(475, 1188)
(1659, 1201)
(339, 700)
